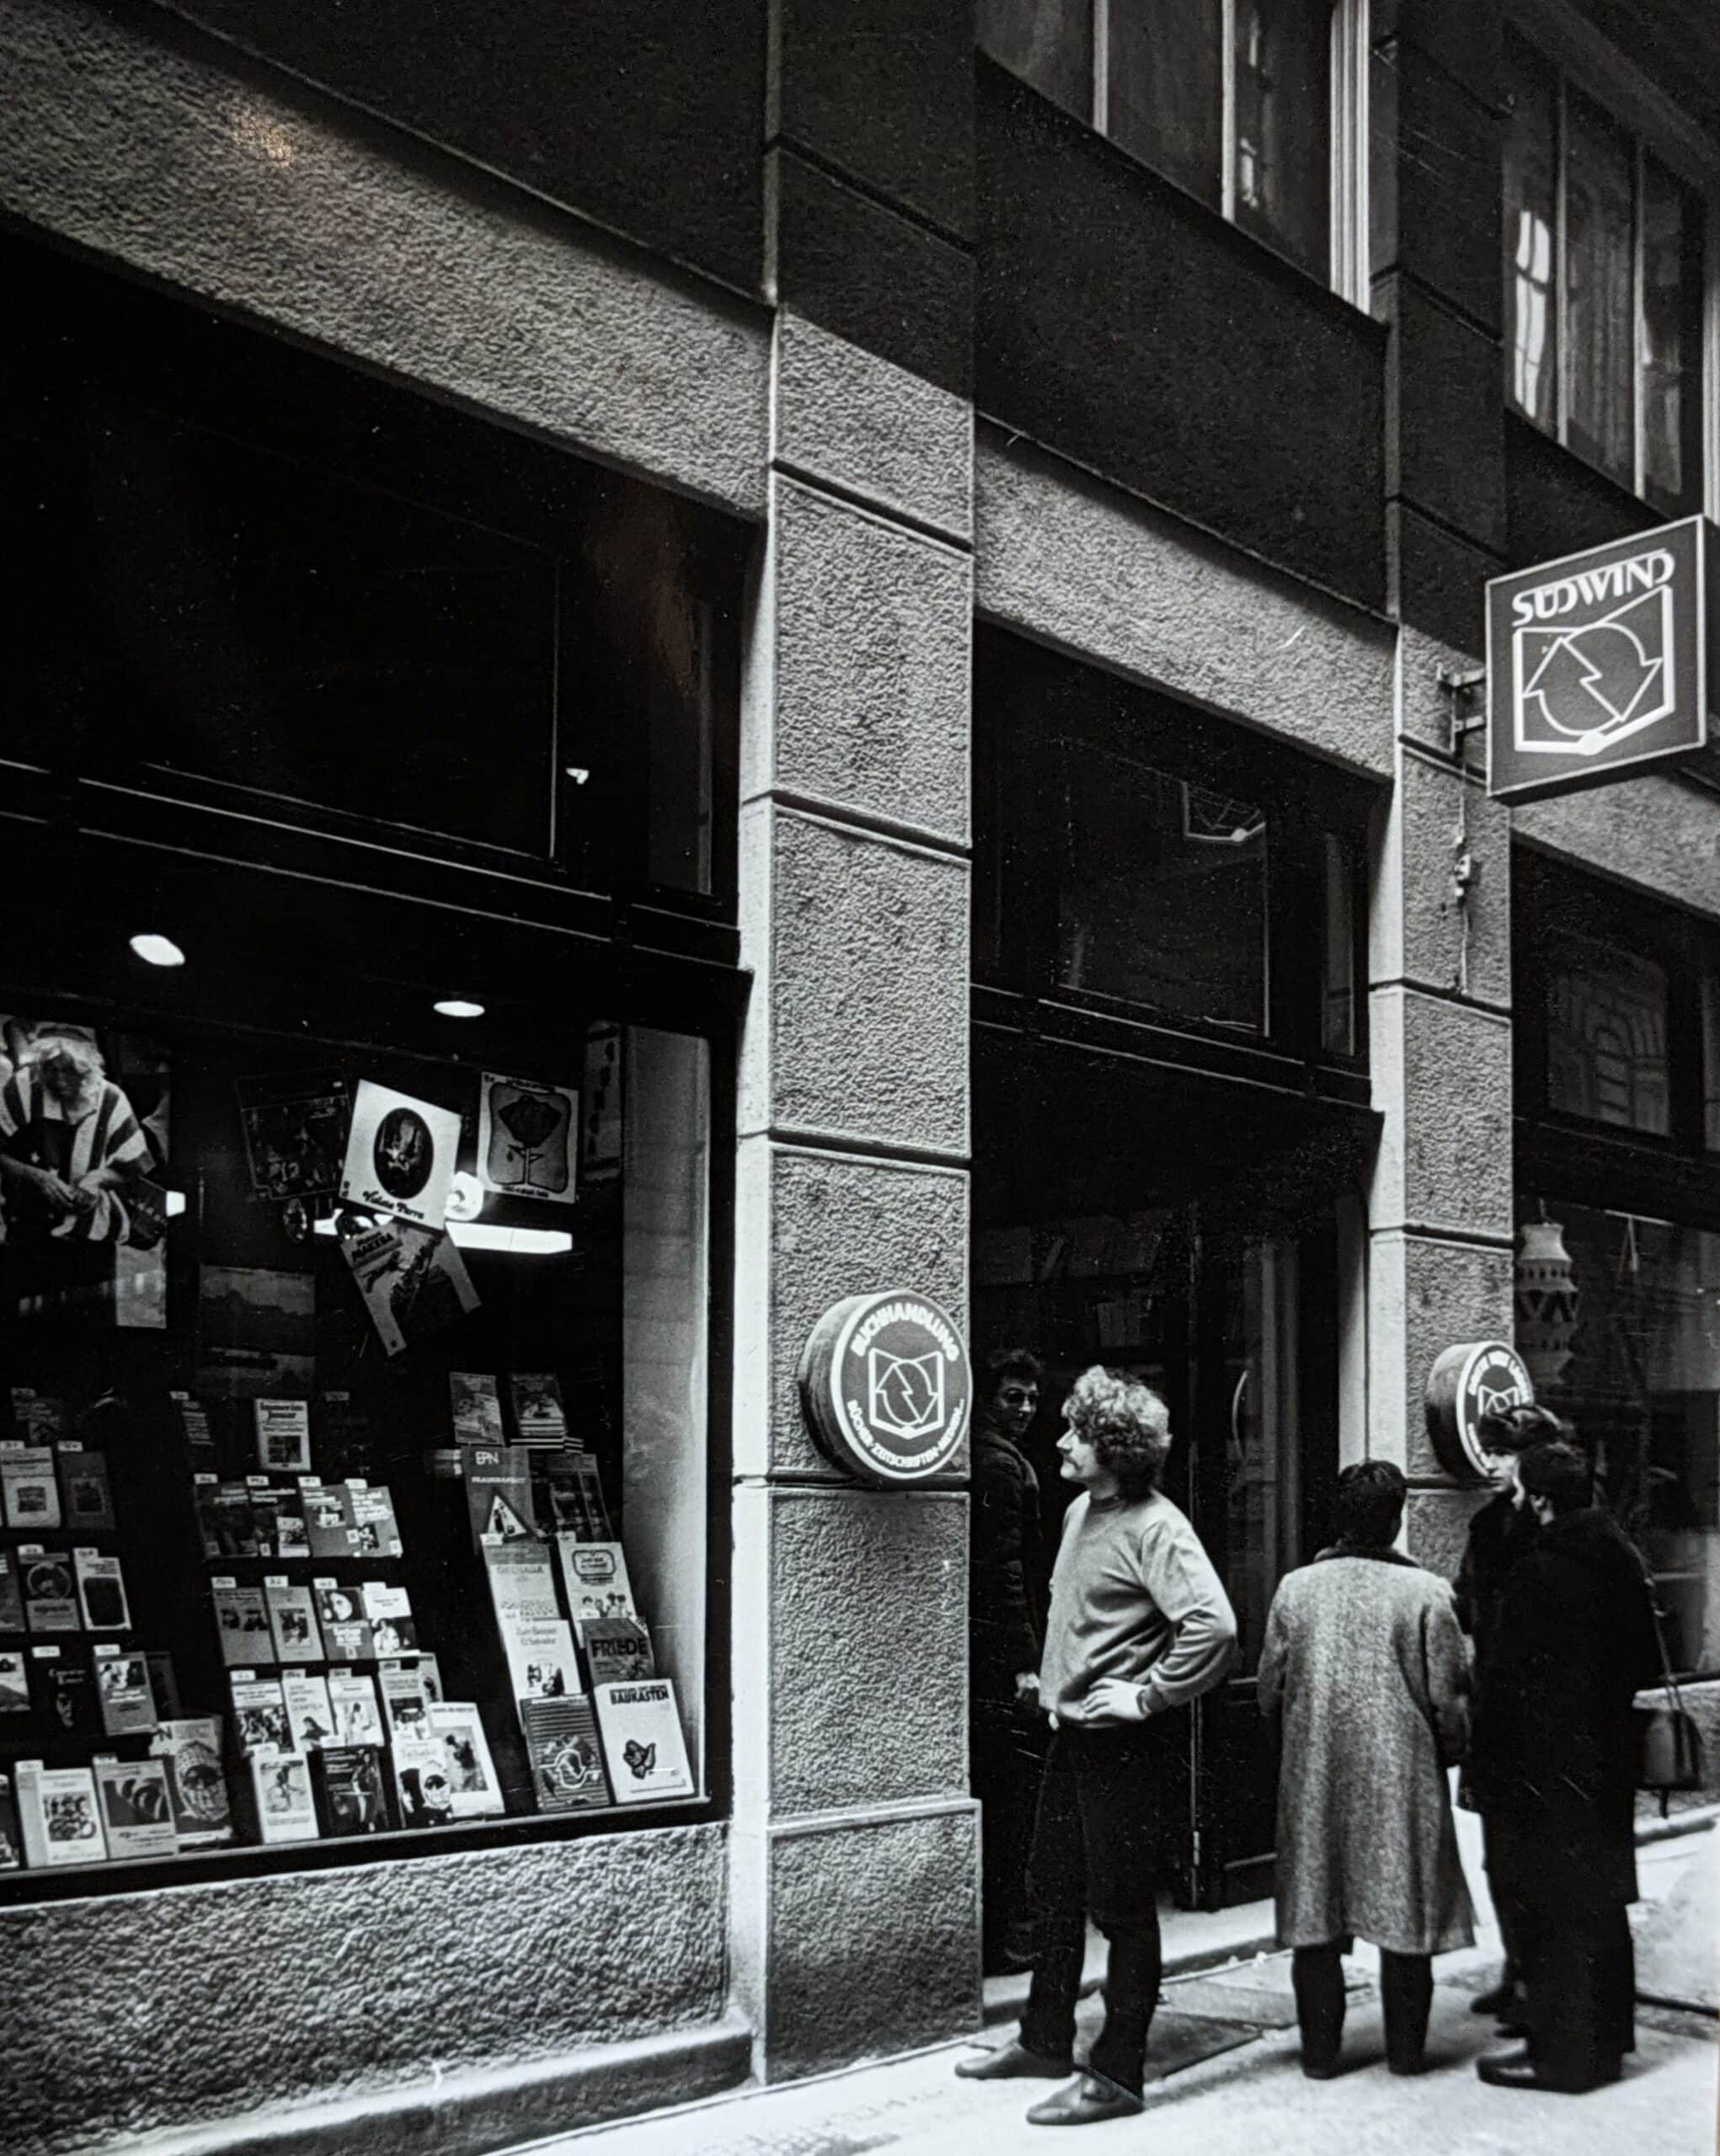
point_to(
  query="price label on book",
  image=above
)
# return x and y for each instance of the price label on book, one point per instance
(886, 1387)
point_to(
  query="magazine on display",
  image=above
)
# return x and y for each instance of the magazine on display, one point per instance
(191, 1749)
(473, 1791)
(476, 1408)
(643, 1742)
(280, 1804)
(521, 1584)
(567, 1759)
(50, 1590)
(101, 1592)
(242, 1619)
(310, 1713)
(124, 1692)
(28, 1489)
(292, 1620)
(136, 1807)
(596, 1577)
(574, 1491)
(86, 1494)
(528, 1134)
(259, 1713)
(57, 1813)
(283, 1436)
(617, 1650)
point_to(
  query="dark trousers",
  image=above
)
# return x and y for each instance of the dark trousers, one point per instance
(1580, 1970)
(1095, 1847)
(1007, 1755)
(1512, 1973)
(1406, 1991)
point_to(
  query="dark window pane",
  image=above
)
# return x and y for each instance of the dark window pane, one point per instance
(1338, 986)
(1598, 300)
(1163, 894)
(1049, 43)
(1607, 1036)
(1531, 354)
(1166, 89)
(1284, 129)
(1672, 341)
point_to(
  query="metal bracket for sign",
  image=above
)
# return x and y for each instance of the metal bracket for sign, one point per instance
(1468, 695)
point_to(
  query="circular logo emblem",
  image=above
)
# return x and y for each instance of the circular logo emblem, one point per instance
(886, 1387)
(573, 1769)
(1474, 1378)
(403, 1153)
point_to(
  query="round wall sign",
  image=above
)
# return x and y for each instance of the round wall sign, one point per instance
(886, 1387)
(1475, 1378)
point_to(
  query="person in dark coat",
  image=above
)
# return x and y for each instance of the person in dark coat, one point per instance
(1498, 1535)
(1006, 1732)
(1553, 1764)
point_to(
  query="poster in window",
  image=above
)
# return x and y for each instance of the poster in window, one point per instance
(295, 1132)
(413, 1284)
(526, 1134)
(400, 1156)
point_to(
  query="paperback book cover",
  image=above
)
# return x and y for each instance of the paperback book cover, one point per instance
(642, 1741)
(499, 1494)
(280, 1804)
(38, 1417)
(478, 1408)
(225, 1518)
(521, 1584)
(430, 1675)
(57, 1813)
(101, 1592)
(406, 1704)
(421, 1782)
(617, 1650)
(574, 1493)
(283, 1436)
(310, 1713)
(163, 1683)
(137, 1814)
(292, 1534)
(259, 1713)
(292, 1620)
(11, 1836)
(68, 1693)
(27, 1488)
(376, 1531)
(242, 1618)
(329, 1522)
(352, 1789)
(538, 1414)
(413, 1281)
(541, 1661)
(124, 1692)
(340, 1619)
(11, 1594)
(352, 1701)
(14, 1681)
(473, 1791)
(594, 1575)
(193, 1422)
(388, 1612)
(567, 1761)
(86, 1495)
(265, 1513)
(191, 1749)
(50, 1590)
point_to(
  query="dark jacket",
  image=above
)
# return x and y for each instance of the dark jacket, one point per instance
(1554, 1741)
(1005, 1616)
(1500, 1534)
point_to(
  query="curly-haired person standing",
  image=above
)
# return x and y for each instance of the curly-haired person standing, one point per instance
(1139, 1626)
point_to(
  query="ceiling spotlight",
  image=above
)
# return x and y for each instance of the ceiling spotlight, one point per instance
(158, 951)
(456, 1006)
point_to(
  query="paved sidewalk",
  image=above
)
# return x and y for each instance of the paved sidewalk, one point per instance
(1250, 2098)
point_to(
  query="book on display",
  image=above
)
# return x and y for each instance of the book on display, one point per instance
(190, 1748)
(86, 1494)
(29, 1490)
(58, 1815)
(567, 1759)
(124, 1694)
(616, 1650)
(352, 1790)
(101, 1592)
(387, 1611)
(242, 1622)
(642, 1743)
(473, 1791)
(50, 1589)
(352, 1701)
(260, 1722)
(293, 1621)
(280, 1804)
(309, 1713)
(136, 1808)
(596, 1577)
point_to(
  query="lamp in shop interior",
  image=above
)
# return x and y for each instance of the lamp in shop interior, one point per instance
(457, 1006)
(1545, 1300)
(157, 950)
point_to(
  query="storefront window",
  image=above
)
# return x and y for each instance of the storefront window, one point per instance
(1606, 1035)
(1641, 1386)
(352, 1472)
(1163, 899)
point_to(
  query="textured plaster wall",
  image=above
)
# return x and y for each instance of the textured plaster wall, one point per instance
(202, 2003)
(1654, 833)
(274, 209)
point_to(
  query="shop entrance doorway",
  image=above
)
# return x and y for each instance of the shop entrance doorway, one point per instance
(1189, 1232)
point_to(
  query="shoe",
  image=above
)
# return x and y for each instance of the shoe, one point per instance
(1517, 2070)
(1085, 2102)
(1321, 2070)
(1505, 1998)
(1013, 2061)
(1517, 2030)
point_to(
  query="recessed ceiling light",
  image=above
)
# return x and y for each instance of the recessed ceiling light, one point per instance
(158, 950)
(456, 1006)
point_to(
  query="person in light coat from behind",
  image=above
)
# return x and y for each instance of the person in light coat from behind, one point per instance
(1365, 1673)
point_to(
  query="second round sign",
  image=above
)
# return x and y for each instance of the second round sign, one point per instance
(886, 1387)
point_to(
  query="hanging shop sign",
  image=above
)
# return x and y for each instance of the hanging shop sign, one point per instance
(1474, 1378)
(886, 1387)
(1601, 663)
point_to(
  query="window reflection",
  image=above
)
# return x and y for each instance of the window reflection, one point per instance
(1598, 273)
(1671, 338)
(1530, 213)
(1282, 154)
(1607, 1036)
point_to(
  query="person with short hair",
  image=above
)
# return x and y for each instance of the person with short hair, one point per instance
(1139, 1626)
(1005, 1729)
(1498, 1535)
(1366, 1677)
(1554, 1765)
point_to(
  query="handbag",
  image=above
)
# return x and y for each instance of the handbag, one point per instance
(1668, 1744)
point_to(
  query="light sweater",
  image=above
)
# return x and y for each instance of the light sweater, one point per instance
(1133, 1595)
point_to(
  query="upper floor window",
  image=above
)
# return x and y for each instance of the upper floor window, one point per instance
(1603, 289)
(1241, 102)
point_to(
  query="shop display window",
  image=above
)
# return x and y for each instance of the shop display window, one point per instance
(352, 1438)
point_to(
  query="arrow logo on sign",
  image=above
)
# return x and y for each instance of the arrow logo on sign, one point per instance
(1586, 686)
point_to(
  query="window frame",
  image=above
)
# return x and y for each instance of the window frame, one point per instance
(1580, 59)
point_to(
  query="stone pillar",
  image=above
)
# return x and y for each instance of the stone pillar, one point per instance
(1440, 1211)
(855, 1904)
